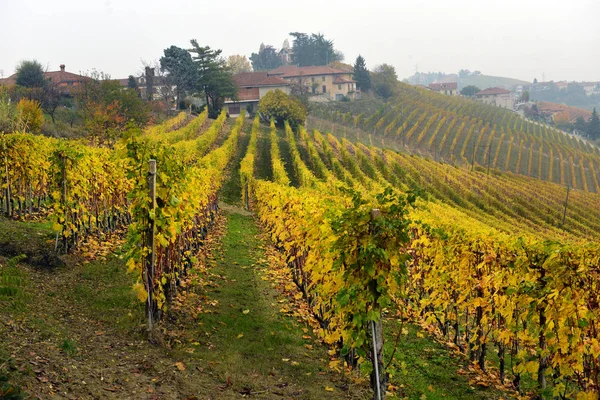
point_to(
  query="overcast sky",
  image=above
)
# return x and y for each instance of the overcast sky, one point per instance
(521, 39)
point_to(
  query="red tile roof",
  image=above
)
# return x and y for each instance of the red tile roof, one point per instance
(443, 86)
(492, 91)
(554, 108)
(339, 80)
(55, 76)
(64, 76)
(291, 71)
(255, 79)
(283, 70)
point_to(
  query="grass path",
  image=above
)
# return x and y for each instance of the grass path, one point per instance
(252, 347)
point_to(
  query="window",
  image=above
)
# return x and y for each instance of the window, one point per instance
(323, 79)
(234, 109)
(339, 87)
(324, 89)
(312, 79)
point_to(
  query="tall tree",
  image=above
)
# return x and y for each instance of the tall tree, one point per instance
(361, 74)
(30, 74)
(238, 63)
(214, 77)
(580, 126)
(180, 70)
(149, 74)
(266, 58)
(470, 90)
(35, 86)
(593, 128)
(131, 82)
(313, 49)
(384, 80)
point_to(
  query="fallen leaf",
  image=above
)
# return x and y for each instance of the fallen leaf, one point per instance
(329, 389)
(240, 335)
(180, 365)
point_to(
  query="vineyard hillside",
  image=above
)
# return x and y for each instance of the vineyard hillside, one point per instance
(363, 257)
(464, 133)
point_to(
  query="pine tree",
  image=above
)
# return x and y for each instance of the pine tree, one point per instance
(131, 82)
(580, 125)
(593, 128)
(214, 77)
(361, 74)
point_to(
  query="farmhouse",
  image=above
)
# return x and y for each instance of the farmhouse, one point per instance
(326, 82)
(497, 97)
(65, 81)
(253, 86)
(447, 88)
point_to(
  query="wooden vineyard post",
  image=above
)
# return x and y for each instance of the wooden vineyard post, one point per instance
(30, 200)
(151, 257)
(63, 199)
(377, 336)
(247, 200)
(8, 210)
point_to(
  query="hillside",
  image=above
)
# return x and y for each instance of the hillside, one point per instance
(237, 325)
(479, 80)
(486, 81)
(463, 132)
(348, 258)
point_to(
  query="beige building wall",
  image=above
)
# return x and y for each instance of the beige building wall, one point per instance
(262, 91)
(323, 85)
(448, 92)
(500, 100)
(344, 89)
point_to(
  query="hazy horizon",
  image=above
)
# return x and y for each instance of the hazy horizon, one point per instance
(516, 39)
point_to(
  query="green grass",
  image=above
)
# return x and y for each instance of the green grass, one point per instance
(232, 187)
(104, 290)
(426, 368)
(9, 391)
(249, 340)
(262, 163)
(69, 347)
(25, 230)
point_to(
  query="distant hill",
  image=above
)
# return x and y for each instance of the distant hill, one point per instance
(486, 81)
(476, 78)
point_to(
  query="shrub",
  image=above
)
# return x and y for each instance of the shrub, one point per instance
(281, 107)
(30, 115)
